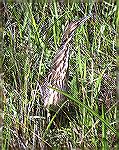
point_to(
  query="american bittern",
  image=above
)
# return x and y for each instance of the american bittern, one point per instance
(58, 74)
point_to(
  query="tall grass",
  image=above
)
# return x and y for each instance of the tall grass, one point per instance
(32, 34)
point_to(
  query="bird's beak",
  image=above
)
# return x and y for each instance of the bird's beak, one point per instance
(80, 22)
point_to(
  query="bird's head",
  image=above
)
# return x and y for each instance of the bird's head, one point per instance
(71, 27)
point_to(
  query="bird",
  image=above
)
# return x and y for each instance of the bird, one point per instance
(57, 76)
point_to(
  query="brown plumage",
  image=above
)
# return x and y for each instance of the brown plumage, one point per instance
(58, 74)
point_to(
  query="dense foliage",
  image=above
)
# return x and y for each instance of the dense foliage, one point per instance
(32, 33)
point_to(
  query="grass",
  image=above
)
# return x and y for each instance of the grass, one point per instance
(32, 33)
